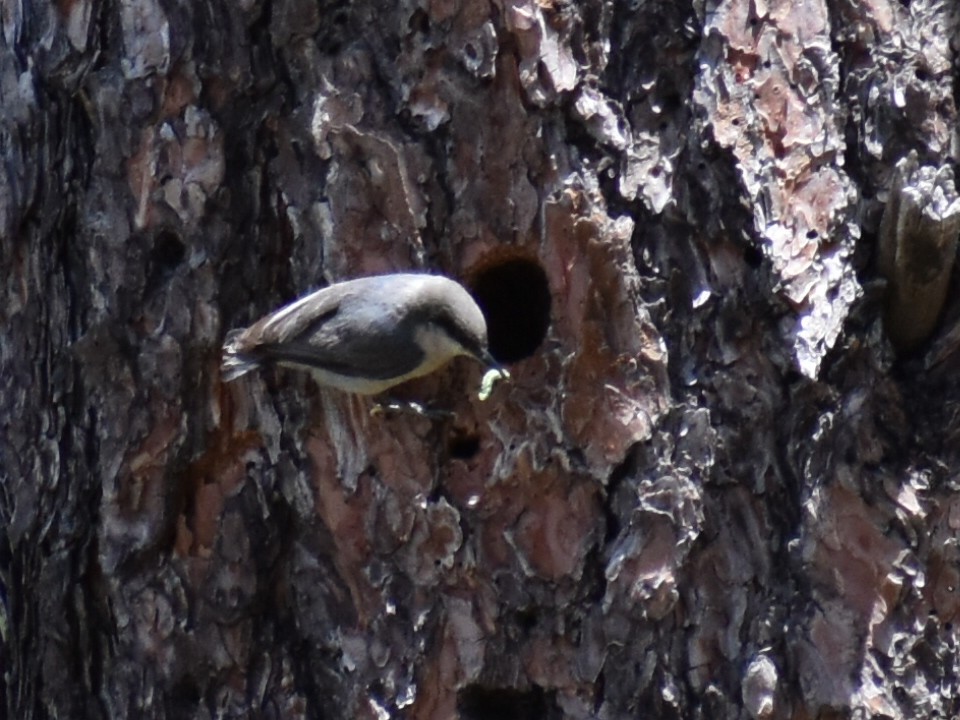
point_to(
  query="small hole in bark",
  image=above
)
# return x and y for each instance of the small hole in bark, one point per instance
(514, 296)
(168, 250)
(527, 619)
(753, 256)
(792, 376)
(463, 446)
(166, 255)
(186, 695)
(476, 702)
(576, 457)
(419, 22)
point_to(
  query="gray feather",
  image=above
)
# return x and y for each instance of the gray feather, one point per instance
(363, 329)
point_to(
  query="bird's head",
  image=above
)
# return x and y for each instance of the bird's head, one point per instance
(454, 324)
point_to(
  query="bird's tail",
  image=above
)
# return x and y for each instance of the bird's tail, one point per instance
(235, 363)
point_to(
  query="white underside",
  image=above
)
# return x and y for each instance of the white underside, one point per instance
(361, 386)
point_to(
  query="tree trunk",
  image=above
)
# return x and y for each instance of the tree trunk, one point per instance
(713, 242)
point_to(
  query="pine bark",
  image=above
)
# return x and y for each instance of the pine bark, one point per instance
(717, 484)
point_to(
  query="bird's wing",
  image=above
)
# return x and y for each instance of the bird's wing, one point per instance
(310, 313)
(293, 320)
(354, 339)
(349, 360)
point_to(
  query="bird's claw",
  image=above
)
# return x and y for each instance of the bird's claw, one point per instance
(408, 406)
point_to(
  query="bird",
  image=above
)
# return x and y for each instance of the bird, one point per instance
(366, 335)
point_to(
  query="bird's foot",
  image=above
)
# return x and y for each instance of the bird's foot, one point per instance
(408, 406)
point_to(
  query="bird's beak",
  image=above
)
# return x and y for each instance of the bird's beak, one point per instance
(495, 372)
(487, 359)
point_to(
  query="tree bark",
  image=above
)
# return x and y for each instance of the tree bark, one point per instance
(712, 487)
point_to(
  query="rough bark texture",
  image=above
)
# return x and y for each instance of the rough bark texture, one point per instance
(711, 489)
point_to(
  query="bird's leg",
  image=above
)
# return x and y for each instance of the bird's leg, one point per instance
(393, 405)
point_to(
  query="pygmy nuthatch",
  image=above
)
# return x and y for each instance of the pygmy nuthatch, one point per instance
(366, 335)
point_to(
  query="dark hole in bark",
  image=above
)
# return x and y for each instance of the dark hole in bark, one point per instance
(419, 22)
(186, 696)
(753, 256)
(527, 619)
(167, 253)
(168, 250)
(463, 446)
(476, 702)
(514, 296)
